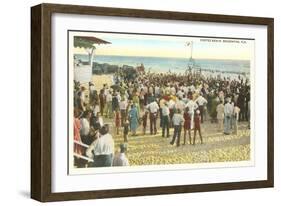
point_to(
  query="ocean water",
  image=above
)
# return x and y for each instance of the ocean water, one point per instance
(179, 65)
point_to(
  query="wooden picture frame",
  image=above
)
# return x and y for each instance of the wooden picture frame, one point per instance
(41, 98)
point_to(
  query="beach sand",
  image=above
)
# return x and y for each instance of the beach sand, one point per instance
(154, 149)
(100, 79)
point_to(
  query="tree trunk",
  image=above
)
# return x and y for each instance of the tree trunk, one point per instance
(91, 56)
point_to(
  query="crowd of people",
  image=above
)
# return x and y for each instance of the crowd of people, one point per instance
(166, 100)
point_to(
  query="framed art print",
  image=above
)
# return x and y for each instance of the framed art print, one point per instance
(130, 102)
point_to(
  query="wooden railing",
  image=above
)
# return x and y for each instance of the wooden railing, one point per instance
(82, 156)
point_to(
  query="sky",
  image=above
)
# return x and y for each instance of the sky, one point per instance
(170, 46)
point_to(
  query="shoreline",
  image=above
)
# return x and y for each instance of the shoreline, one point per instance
(107, 68)
(223, 66)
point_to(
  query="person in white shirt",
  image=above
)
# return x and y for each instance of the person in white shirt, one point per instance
(165, 119)
(177, 122)
(96, 109)
(120, 159)
(102, 149)
(153, 107)
(108, 104)
(201, 101)
(123, 104)
(153, 111)
(228, 111)
(192, 106)
(157, 91)
(192, 88)
(173, 90)
(185, 89)
(180, 94)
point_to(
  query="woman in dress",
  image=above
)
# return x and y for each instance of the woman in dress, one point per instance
(77, 126)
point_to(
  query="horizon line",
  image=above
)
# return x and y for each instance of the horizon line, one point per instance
(162, 57)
